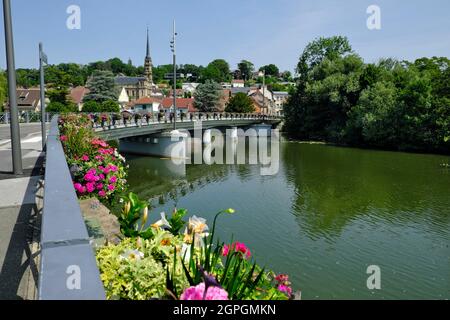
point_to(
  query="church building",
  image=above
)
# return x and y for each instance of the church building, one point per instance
(138, 87)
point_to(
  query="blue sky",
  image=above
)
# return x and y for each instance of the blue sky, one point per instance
(262, 31)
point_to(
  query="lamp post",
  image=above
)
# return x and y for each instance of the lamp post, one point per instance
(173, 49)
(14, 125)
(42, 61)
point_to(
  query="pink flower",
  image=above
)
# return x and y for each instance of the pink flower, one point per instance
(113, 179)
(285, 289)
(85, 158)
(106, 170)
(111, 187)
(63, 138)
(99, 186)
(282, 278)
(238, 247)
(99, 142)
(92, 171)
(90, 187)
(100, 158)
(78, 187)
(102, 193)
(198, 293)
(113, 168)
(225, 250)
(102, 176)
(89, 177)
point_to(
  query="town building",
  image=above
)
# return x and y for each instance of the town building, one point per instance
(190, 87)
(77, 95)
(184, 105)
(138, 87)
(27, 100)
(280, 98)
(236, 83)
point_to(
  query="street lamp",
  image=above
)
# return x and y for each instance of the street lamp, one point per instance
(173, 49)
(42, 61)
(15, 130)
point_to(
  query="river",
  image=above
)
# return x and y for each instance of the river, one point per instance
(328, 214)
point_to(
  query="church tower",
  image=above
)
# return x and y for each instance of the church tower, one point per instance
(148, 73)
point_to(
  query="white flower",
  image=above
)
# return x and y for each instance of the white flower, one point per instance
(186, 252)
(162, 222)
(133, 255)
(197, 225)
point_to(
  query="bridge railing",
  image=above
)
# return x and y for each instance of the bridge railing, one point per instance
(68, 268)
(108, 121)
(25, 117)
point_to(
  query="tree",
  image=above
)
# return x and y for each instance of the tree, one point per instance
(110, 106)
(207, 97)
(217, 70)
(246, 69)
(286, 76)
(319, 49)
(270, 70)
(92, 106)
(240, 103)
(59, 107)
(102, 87)
(3, 89)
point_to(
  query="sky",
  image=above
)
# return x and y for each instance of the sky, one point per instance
(262, 31)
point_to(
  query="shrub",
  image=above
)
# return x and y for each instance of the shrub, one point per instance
(91, 106)
(110, 106)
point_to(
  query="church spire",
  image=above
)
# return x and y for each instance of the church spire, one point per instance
(148, 62)
(148, 45)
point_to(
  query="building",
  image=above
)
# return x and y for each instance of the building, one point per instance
(184, 105)
(280, 98)
(263, 101)
(27, 100)
(190, 87)
(238, 83)
(146, 104)
(77, 95)
(138, 87)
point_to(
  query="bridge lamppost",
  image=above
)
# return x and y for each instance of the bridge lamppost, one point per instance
(15, 130)
(173, 49)
(42, 62)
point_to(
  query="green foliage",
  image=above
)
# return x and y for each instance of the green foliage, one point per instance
(102, 87)
(91, 106)
(3, 89)
(133, 218)
(136, 269)
(217, 71)
(390, 104)
(240, 103)
(207, 96)
(246, 68)
(270, 70)
(110, 106)
(58, 107)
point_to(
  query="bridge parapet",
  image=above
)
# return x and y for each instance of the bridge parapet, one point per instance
(68, 268)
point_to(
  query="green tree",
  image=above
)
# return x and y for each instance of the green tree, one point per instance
(3, 89)
(246, 69)
(102, 87)
(207, 96)
(59, 107)
(92, 106)
(240, 103)
(110, 106)
(270, 70)
(217, 71)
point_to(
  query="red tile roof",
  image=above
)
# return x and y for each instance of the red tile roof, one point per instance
(182, 103)
(147, 100)
(77, 94)
(238, 81)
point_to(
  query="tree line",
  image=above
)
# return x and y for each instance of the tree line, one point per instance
(390, 104)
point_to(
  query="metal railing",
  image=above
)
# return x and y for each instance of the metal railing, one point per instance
(109, 121)
(68, 268)
(25, 117)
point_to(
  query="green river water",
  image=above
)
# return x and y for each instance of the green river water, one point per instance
(328, 214)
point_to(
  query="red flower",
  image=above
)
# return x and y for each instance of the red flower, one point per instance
(63, 138)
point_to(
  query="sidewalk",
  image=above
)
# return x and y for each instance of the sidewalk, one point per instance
(20, 210)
